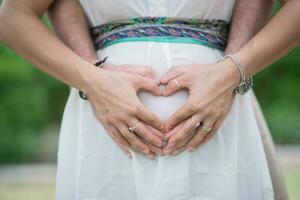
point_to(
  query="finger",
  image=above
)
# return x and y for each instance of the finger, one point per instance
(145, 115)
(183, 135)
(179, 150)
(156, 150)
(150, 155)
(174, 130)
(144, 133)
(195, 141)
(181, 114)
(154, 131)
(173, 86)
(216, 127)
(174, 72)
(143, 70)
(147, 84)
(118, 139)
(133, 140)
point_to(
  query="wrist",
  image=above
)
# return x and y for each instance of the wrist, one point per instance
(230, 72)
(245, 82)
(88, 75)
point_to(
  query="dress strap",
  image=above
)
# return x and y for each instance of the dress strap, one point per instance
(211, 33)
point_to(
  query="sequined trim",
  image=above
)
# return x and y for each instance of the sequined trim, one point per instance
(211, 33)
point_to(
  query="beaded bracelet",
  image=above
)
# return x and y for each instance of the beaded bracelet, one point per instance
(97, 64)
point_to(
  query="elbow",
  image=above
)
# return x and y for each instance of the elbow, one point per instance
(2, 25)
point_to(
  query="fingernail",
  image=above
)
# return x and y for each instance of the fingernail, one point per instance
(159, 144)
(162, 128)
(190, 149)
(168, 151)
(165, 138)
(150, 156)
(128, 155)
(159, 153)
(163, 144)
(174, 152)
(146, 151)
(167, 128)
(157, 79)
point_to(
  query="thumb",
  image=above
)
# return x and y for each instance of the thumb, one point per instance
(171, 74)
(149, 85)
(172, 87)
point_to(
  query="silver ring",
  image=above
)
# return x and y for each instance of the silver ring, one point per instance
(132, 128)
(176, 82)
(197, 123)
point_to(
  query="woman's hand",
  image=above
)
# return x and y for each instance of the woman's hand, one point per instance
(112, 92)
(211, 94)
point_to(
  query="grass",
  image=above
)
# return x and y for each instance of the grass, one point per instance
(292, 178)
(27, 191)
(45, 191)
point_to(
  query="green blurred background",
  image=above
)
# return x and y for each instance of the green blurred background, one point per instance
(31, 102)
(31, 107)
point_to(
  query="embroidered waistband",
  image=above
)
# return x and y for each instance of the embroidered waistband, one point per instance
(211, 33)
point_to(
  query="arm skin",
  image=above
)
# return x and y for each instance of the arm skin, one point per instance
(276, 39)
(210, 104)
(248, 18)
(70, 24)
(22, 30)
(246, 23)
(21, 21)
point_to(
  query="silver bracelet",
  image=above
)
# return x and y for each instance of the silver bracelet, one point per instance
(245, 83)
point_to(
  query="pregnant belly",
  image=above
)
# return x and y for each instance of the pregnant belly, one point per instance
(160, 57)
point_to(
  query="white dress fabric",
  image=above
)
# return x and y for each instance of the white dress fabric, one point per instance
(231, 166)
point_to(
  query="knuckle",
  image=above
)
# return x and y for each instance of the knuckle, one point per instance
(148, 70)
(112, 135)
(194, 106)
(104, 121)
(130, 137)
(176, 141)
(134, 110)
(152, 86)
(152, 119)
(192, 145)
(212, 115)
(119, 141)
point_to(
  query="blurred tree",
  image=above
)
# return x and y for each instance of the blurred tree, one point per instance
(32, 101)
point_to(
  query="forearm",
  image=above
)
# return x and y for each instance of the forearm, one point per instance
(70, 24)
(248, 18)
(276, 39)
(22, 30)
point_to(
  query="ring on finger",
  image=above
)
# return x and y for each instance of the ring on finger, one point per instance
(206, 128)
(132, 128)
(197, 123)
(177, 83)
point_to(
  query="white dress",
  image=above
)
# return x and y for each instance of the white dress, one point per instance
(231, 166)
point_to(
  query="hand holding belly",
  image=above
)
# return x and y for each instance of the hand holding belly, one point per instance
(113, 96)
(211, 94)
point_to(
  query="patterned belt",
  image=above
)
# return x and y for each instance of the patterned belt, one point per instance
(210, 33)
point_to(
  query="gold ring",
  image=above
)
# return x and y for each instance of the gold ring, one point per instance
(176, 82)
(132, 128)
(206, 129)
